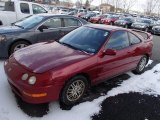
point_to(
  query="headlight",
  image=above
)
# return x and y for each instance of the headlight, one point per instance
(32, 80)
(142, 26)
(25, 76)
(2, 37)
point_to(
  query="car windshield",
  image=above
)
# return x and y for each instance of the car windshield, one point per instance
(127, 19)
(30, 22)
(144, 21)
(112, 16)
(85, 39)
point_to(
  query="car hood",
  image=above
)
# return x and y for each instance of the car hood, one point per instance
(10, 29)
(42, 57)
(138, 23)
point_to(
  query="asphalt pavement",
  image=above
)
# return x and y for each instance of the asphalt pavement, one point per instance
(156, 48)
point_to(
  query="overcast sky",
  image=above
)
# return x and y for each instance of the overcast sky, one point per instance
(138, 6)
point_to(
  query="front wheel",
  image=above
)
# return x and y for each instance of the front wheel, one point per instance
(126, 26)
(18, 45)
(141, 65)
(74, 90)
(146, 29)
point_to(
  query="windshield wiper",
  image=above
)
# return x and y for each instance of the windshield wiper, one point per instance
(69, 45)
(19, 26)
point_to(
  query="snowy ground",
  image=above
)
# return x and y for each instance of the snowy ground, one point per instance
(147, 83)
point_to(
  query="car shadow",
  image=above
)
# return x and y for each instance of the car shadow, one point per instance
(39, 110)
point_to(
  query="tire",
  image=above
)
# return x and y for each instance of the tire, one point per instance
(126, 26)
(1, 23)
(141, 65)
(146, 29)
(68, 98)
(111, 23)
(18, 45)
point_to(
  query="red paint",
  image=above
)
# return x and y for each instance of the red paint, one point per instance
(96, 19)
(108, 21)
(53, 64)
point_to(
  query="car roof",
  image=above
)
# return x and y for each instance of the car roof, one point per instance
(50, 15)
(105, 27)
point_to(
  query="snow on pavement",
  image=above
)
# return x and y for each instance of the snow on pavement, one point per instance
(147, 83)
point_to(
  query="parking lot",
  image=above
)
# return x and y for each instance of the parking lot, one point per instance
(53, 55)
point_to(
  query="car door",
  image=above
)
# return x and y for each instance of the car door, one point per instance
(24, 11)
(69, 24)
(50, 30)
(111, 65)
(135, 49)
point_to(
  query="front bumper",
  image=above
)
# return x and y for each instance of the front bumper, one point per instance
(35, 95)
(29, 93)
(138, 28)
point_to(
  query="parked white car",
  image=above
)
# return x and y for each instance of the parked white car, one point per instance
(14, 11)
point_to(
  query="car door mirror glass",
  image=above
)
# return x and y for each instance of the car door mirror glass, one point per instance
(42, 27)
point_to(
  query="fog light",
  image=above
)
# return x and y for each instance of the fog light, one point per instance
(32, 80)
(25, 76)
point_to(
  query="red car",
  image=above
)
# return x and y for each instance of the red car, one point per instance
(63, 70)
(97, 19)
(109, 20)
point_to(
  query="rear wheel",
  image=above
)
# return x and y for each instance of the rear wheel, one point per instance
(18, 45)
(126, 26)
(141, 65)
(111, 23)
(74, 90)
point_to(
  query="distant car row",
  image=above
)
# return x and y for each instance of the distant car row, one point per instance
(143, 24)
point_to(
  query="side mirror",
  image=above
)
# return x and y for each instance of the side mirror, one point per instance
(42, 27)
(109, 52)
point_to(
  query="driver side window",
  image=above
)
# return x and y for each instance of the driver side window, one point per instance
(38, 9)
(119, 40)
(53, 23)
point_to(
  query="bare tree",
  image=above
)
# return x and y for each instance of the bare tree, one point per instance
(128, 4)
(150, 6)
(78, 4)
(116, 3)
(87, 4)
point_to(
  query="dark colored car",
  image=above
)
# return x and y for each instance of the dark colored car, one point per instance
(143, 24)
(88, 16)
(125, 22)
(97, 19)
(65, 69)
(156, 30)
(34, 29)
(109, 20)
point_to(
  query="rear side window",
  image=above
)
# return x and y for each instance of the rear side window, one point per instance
(134, 39)
(71, 22)
(38, 9)
(24, 8)
(119, 40)
(53, 23)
